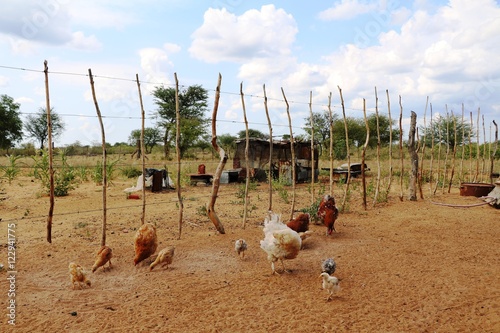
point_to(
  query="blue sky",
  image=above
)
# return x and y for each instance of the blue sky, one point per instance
(445, 50)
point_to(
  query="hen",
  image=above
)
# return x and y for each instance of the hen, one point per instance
(300, 223)
(78, 276)
(145, 242)
(328, 213)
(280, 242)
(240, 246)
(330, 283)
(164, 257)
(328, 266)
(103, 256)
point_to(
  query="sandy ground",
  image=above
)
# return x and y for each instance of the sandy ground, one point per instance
(404, 266)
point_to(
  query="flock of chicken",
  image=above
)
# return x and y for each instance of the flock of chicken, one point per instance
(281, 242)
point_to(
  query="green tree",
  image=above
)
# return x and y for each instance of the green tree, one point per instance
(252, 133)
(443, 128)
(192, 107)
(227, 142)
(37, 128)
(152, 137)
(11, 126)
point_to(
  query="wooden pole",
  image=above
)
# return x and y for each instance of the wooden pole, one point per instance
(51, 167)
(483, 161)
(445, 172)
(440, 139)
(313, 165)
(223, 159)
(178, 152)
(390, 144)
(414, 158)
(377, 186)
(143, 152)
(422, 159)
(247, 165)
(270, 177)
(401, 148)
(471, 174)
(454, 151)
(330, 119)
(463, 145)
(363, 179)
(346, 188)
(432, 155)
(104, 167)
(494, 152)
(478, 150)
(292, 148)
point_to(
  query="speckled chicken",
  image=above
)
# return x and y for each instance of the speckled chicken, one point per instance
(330, 284)
(328, 213)
(104, 255)
(78, 276)
(280, 242)
(165, 257)
(240, 246)
(328, 266)
(145, 242)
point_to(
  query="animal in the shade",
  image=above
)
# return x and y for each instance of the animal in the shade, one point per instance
(328, 213)
(240, 246)
(328, 266)
(330, 284)
(104, 255)
(78, 275)
(165, 257)
(145, 242)
(280, 242)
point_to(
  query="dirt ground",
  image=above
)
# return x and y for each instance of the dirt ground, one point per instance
(403, 266)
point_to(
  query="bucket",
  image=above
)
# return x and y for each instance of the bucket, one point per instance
(476, 189)
(201, 169)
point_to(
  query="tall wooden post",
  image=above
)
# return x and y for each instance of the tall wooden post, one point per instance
(51, 168)
(414, 158)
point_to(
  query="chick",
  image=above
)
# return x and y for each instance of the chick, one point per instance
(328, 266)
(103, 256)
(331, 284)
(240, 246)
(164, 257)
(77, 275)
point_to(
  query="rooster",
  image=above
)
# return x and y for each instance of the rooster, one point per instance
(240, 246)
(78, 276)
(328, 213)
(330, 283)
(145, 242)
(164, 257)
(280, 242)
(103, 256)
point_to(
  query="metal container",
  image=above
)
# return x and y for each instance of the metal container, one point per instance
(476, 189)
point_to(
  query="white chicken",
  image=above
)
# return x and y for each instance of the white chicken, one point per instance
(330, 283)
(280, 242)
(240, 246)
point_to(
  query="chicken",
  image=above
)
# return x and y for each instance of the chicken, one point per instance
(280, 242)
(240, 246)
(164, 257)
(331, 284)
(328, 213)
(328, 266)
(300, 223)
(78, 276)
(103, 256)
(145, 242)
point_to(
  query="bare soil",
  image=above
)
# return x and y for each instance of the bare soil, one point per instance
(404, 266)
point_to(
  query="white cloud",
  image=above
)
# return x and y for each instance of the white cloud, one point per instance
(4, 81)
(346, 9)
(255, 34)
(156, 64)
(82, 42)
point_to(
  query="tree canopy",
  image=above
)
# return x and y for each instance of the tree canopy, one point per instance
(252, 133)
(152, 137)
(443, 130)
(37, 128)
(192, 107)
(11, 125)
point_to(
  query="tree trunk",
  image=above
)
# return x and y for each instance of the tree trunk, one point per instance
(413, 157)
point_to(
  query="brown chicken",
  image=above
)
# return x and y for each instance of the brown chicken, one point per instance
(77, 274)
(145, 242)
(300, 223)
(104, 255)
(328, 213)
(164, 257)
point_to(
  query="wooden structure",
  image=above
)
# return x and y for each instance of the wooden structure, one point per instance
(281, 164)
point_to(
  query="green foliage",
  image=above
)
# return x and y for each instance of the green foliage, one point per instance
(313, 210)
(12, 170)
(252, 185)
(280, 187)
(443, 130)
(152, 137)
(37, 128)
(252, 133)
(64, 174)
(11, 125)
(96, 172)
(130, 171)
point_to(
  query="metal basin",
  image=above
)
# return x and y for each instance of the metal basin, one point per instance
(476, 189)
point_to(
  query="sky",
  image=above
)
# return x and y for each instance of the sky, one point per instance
(423, 54)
